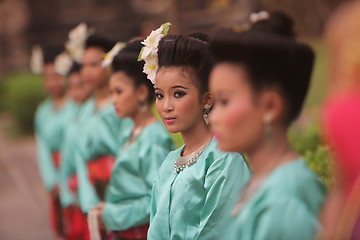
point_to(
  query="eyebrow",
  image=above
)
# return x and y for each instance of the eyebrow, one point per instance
(225, 92)
(177, 86)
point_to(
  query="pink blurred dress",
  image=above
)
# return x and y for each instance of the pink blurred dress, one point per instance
(341, 121)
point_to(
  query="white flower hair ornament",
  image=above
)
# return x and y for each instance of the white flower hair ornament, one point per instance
(109, 57)
(76, 43)
(63, 63)
(255, 17)
(37, 60)
(149, 53)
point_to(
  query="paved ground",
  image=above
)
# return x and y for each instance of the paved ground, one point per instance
(23, 201)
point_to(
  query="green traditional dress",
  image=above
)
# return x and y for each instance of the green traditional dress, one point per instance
(68, 149)
(284, 207)
(101, 135)
(129, 192)
(50, 125)
(196, 202)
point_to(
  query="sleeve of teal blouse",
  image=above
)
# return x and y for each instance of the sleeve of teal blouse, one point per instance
(226, 175)
(285, 219)
(101, 139)
(46, 166)
(66, 196)
(154, 194)
(134, 212)
(87, 195)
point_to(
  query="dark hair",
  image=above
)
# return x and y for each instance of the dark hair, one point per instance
(277, 23)
(75, 68)
(192, 51)
(99, 41)
(127, 62)
(270, 61)
(51, 52)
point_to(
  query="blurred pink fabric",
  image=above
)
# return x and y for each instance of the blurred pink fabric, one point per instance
(341, 121)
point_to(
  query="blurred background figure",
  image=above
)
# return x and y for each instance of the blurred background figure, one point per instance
(51, 120)
(260, 82)
(341, 122)
(126, 208)
(77, 89)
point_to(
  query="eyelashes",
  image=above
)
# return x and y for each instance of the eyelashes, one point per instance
(159, 96)
(177, 94)
(221, 101)
(116, 91)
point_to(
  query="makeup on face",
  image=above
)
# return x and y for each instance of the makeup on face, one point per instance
(91, 71)
(177, 99)
(236, 119)
(123, 94)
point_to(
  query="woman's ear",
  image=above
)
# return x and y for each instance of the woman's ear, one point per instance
(142, 92)
(208, 99)
(272, 104)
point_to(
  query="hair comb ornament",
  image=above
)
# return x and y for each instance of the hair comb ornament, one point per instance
(76, 43)
(149, 53)
(109, 57)
(37, 60)
(63, 63)
(255, 17)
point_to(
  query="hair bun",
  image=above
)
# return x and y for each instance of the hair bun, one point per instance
(199, 36)
(278, 23)
(100, 42)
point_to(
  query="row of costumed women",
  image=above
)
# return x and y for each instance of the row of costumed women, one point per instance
(107, 157)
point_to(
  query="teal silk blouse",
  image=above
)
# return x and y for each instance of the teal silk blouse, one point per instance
(195, 203)
(68, 150)
(285, 207)
(129, 192)
(103, 133)
(50, 125)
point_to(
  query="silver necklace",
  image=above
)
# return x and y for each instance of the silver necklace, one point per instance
(186, 161)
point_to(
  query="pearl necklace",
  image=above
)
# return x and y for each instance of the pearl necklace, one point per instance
(190, 159)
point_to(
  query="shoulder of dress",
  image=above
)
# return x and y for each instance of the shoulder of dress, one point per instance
(296, 180)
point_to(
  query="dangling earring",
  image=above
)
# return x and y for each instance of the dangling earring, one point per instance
(143, 107)
(207, 108)
(267, 127)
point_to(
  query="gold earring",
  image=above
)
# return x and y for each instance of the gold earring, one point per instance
(207, 108)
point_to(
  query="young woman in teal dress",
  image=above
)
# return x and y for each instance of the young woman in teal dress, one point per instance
(260, 81)
(73, 218)
(51, 119)
(126, 208)
(102, 132)
(197, 183)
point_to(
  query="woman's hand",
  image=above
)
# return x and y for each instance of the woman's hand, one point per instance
(99, 209)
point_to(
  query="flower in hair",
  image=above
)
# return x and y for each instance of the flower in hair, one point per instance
(108, 58)
(76, 43)
(149, 53)
(75, 50)
(63, 63)
(37, 60)
(255, 17)
(79, 34)
(151, 67)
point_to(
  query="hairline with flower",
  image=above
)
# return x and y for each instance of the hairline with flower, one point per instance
(149, 52)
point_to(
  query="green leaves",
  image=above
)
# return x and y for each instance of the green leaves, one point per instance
(166, 27)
